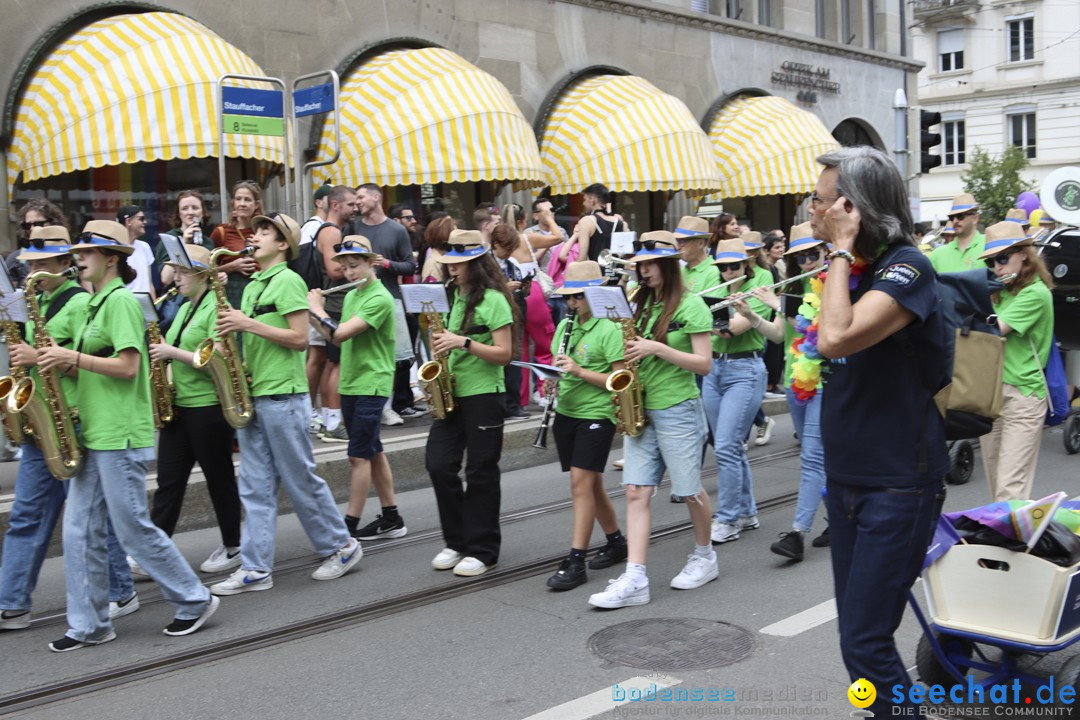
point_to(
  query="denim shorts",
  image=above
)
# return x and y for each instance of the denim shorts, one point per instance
(362, 415)
(671, 441)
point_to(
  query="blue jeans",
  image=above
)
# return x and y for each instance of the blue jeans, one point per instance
(732, 393)
(807, 421)
(39, 498)
(112, 485)
(878, 538)
(275, 451)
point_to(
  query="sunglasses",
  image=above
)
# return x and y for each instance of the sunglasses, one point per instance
(728, 267)
(809, 256)
(575, 296)
(651, 245)
(89, 237)
(1001, 258)
(350, 245)
(969, 213)
(38, 243)
(27, 226)
(460, 248)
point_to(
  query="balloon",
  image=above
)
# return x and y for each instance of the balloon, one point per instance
(1035, 217)
(1028, 201)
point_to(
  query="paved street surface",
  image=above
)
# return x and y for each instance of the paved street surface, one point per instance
(508, 652)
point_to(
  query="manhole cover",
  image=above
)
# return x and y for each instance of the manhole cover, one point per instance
(673, 644)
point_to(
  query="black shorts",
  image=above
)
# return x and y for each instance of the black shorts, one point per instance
(333, 352)
(583, 444)
(362, 415)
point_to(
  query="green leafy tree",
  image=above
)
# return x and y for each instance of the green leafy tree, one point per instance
(995, 181)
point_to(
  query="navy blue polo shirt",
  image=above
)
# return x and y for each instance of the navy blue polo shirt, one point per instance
(874, 400)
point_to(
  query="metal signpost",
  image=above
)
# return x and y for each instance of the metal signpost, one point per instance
(315, 100)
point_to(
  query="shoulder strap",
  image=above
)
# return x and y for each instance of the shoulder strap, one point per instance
(60, 301)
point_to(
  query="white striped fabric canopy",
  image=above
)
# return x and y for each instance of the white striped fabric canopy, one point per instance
(427, 116)
(125, 89)
(620, 130)
(767, 146)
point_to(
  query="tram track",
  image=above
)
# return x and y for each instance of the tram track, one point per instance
(32, 698)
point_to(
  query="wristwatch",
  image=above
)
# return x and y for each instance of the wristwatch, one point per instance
(467, 343)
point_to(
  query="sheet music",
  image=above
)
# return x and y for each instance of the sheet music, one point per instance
(425, 297)
(13, 307)
(6, 286)
(608, 302)
(622, 243)
(540, 370)
(148, 310)
(174, 246)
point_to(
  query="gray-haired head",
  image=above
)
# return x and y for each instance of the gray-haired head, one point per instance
(869, 179)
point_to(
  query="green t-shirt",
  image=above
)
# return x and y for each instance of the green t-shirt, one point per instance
(702, 276)
(594, 346)
(62, 328)
(114, 414)
(664, 384)
(270, 296)
(752, 340)
(367, 360)
(192, 325)
(473, 376)
(949, 257)
(1030, 314)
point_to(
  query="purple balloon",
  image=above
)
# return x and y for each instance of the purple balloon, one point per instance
(1028, 202)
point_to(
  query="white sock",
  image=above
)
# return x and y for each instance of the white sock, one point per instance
(636, 571)
(333, 419)
(704, 551)
(316, 414)
(325, 415)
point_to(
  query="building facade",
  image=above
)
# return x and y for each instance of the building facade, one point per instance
(841, 60)
(1001, 73)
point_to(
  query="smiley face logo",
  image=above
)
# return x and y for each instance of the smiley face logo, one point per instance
(862, 693)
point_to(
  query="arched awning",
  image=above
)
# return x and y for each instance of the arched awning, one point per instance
(767, 146)
(622, 131)
(126, 89)
(427, 116)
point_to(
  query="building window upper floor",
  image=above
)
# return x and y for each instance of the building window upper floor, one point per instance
(1020, 36)
(950, 49)
(952, 131)
(1020, 128)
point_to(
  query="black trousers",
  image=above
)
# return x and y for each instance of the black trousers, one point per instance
(197, 435)
(469, 512)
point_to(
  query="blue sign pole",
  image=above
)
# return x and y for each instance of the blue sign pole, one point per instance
(314, 100)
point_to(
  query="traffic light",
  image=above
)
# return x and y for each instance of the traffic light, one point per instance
(928, 140)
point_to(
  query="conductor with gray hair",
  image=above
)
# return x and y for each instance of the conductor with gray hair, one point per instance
(881, 329)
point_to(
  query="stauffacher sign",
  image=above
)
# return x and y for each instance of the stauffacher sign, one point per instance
(249, 111)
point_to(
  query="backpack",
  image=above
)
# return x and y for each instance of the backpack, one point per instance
(1057, 385)
(308, 262)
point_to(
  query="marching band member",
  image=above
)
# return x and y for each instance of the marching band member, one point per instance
(39, 497)
(587, 349)
(117, 430)
(366, 337)
(693, 237)
(672, 346)
(732, 393)
(199, 431)
(274, 447)
(480, 341)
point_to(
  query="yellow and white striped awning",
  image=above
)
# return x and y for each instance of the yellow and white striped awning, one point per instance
(622, 131)
(767, 146)
(125, 89)
(427, 115)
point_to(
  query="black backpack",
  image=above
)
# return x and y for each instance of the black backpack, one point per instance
(308, 263)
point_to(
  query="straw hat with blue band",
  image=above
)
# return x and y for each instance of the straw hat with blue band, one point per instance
(730, 251)
(580, 275)
(801, 238)
(752, 241)
(463, 246)
(354, 246)
(656, 245)
(106, 235)
(1003, 236)
(1017, 215)
(962, 203)
(197, 255)
(692, 228)
(1046, 219)
(47, 242)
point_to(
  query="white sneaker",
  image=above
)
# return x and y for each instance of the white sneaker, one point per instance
(748, 522)
(391, 418)
(697, 571)
(764, 433)
(470, 567)
(135, 568)
(775, 396)
(243, 581)
(447, 559)
(621, 592)
(724, 532)
(222, 559)
(124, 607)
(340, 562)
(539, 399)
(617, 464)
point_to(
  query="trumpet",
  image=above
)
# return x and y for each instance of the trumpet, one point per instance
(727, 302)
(609, 263)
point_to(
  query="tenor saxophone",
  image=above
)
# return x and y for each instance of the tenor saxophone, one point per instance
(14, 425)
(626, 386)
(434, 375)
(48, 414)
(226, 368)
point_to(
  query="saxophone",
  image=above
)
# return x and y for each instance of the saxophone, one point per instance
(434, 375)
(226, 368)
(628, 401)
(14, 425)
(160, 389)
(50, 418)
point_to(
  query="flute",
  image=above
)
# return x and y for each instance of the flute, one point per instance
(722, 285)
(727, 302)
(343, 288)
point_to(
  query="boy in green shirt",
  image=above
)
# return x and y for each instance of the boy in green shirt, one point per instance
(274, 447)
(366, 338)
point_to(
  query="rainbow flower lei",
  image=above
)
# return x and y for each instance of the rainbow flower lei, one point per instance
(806, 368)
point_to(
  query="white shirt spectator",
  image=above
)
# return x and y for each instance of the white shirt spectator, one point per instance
(141, 261)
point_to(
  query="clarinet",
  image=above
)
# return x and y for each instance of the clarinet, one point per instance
(541, 434)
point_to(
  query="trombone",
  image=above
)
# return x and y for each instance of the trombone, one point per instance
(727, 302)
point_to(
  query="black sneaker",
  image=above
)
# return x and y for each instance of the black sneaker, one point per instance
(380, 529)
(609, 555)
(518, 414)
(569, 576)
(66, 644)
(186, 627)
(789, 545)
(410, 412)
(821, 540)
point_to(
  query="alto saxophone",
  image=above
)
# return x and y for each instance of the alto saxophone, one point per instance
(160, 389)
(14, 425)
(626, 386)
(50, 418)
(226, 368)
(434, 375)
